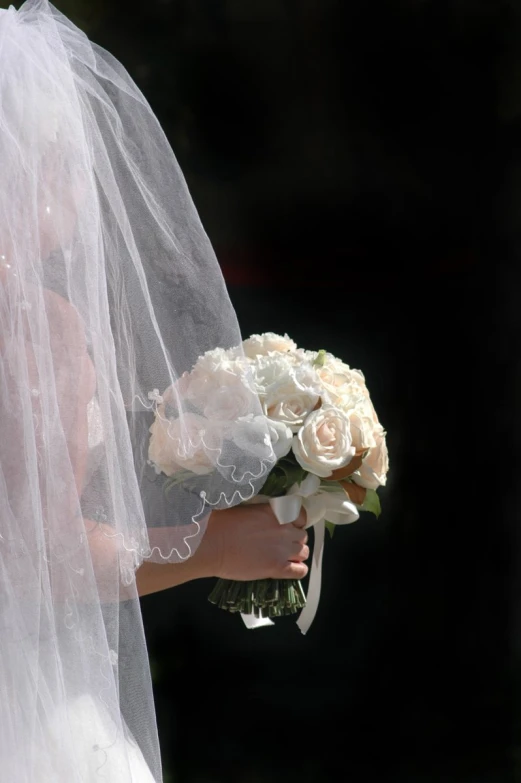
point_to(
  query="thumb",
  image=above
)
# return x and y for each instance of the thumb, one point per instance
(287, 508)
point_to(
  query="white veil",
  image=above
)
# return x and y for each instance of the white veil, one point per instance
(109, 292)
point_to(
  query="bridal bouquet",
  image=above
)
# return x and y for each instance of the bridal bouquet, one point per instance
(330, 449)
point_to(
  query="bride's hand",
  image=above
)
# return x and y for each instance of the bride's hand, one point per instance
(242, 543)
(248, 543)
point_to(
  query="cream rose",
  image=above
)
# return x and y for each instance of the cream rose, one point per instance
(373, 471)
(364, 406)
(267, 343)
(160, 448)
(353, 398)
(324, 443)
(195, 388)
(362, 429)
(290, 399)
(183, 444)
(340, 382)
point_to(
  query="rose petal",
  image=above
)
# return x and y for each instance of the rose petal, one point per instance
(354, 492)
(350, 468)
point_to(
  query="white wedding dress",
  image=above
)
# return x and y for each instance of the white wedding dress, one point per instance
(106, 753)
(102, 754)
(97, 749)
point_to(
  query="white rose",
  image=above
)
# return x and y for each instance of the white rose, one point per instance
(184, 443)
(214, 375)
(262, 437)
(290, 405)
(269, 370)
(264, 344)
(281, 438)
(324, 443)
(293, 397)
(221, 361)
(304, 356)
(373, 471)
(229, 403)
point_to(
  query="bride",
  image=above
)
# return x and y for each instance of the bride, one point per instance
(109, 292)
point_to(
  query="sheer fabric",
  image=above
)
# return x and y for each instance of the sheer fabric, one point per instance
(109, 292)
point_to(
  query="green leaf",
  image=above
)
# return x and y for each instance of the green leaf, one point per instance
(321, 358)
(293, 472)
(285, 473)
(331, 486)
(330, 527)
(275, 484)
(372, 503)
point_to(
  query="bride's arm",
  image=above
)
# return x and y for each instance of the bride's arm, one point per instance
(242, 543)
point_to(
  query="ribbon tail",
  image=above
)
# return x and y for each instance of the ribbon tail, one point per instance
(315, 580)
(250, 621)
(286, 509)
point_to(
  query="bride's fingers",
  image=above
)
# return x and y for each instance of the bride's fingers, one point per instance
(293, 571)
(298, 536)
(300, 553)
(301, 520)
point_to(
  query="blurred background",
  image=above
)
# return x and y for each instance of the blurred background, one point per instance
(357, 166)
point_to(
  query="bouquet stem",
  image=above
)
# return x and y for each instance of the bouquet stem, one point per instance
(262, 598)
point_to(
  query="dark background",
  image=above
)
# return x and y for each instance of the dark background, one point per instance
(357, 166)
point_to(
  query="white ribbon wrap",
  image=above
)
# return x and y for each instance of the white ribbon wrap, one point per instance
(321, 505)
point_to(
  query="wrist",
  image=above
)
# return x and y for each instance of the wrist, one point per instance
(208, 557)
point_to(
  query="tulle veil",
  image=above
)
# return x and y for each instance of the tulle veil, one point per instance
(109, 292)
